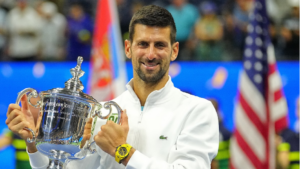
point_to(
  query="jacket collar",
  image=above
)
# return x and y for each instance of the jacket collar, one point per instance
(156, 96)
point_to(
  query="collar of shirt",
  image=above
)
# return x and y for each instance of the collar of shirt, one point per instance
(157, 96)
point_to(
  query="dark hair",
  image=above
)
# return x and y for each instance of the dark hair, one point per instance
(153, 15)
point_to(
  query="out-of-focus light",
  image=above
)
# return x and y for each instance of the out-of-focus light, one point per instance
(219, 78)
(174, 69)
(38, 70)
(6, 70)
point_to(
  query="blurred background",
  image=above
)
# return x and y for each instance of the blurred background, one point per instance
(40, 41)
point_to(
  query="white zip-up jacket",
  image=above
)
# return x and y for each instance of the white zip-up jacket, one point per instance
(175, 130)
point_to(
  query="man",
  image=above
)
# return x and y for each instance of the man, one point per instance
(162, 127)
(288, 145)
(23, 30)
(80, 29)
(185, 16)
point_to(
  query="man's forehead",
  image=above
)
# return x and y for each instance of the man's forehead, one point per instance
(142, 31)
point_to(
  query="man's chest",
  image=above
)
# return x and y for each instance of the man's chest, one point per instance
(154, 131)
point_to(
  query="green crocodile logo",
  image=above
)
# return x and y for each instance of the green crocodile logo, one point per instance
(163, 138)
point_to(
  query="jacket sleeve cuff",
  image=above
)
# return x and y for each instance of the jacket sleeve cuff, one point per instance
(137, 160)
(38, 160)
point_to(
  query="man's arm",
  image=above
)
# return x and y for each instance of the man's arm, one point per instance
(196, 145)
(27, 116)
(5, 140)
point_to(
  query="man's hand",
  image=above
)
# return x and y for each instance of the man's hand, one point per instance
(112, 135)
(20, 117)
(87, 132)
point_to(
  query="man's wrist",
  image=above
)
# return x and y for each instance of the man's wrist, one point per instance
(126, 160)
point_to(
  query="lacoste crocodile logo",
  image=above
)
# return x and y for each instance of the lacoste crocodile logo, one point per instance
(163, 138)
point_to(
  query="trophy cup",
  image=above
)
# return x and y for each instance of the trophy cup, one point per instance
(62, 118)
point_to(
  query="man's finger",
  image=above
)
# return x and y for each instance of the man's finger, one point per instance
(24, 103)
(19, 127)
(12, 107)
(13, 114)
(16, 120)
(124, 119)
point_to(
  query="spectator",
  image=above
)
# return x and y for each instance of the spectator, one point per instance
(124, 16)
(185, 16)
(24, 28)
(80, 33)
(288, 146)
(290, 33)
(221, 161)
(230, 50)
(209, 32)
(2, 32)
(241, 14)
(7, 5)
(297, 124)
(282, 153)
(53, 33)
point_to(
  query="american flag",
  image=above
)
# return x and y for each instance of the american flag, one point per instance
(261, 108)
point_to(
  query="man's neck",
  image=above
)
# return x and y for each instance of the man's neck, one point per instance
(143, 89)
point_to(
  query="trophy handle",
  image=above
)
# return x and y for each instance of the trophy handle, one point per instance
(89, 147)
(108, 105)
(33, 93)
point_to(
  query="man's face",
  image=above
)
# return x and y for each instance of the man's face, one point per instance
(151, 52)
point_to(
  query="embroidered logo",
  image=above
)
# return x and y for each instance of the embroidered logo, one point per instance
(162, 137)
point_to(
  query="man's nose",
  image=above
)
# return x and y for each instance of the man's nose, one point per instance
(151, 52)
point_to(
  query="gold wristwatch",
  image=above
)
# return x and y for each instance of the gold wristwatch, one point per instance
(122, 152)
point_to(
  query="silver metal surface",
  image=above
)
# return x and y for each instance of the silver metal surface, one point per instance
(64, 114)
(55, 164)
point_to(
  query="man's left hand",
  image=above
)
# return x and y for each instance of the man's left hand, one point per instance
(113, 135)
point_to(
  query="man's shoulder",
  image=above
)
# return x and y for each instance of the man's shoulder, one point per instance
(192, 100)
(122, 97)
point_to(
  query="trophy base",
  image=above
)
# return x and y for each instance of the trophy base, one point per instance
(55, 164)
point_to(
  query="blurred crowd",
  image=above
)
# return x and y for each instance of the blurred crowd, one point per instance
(216, 29)
(207, 30)
(45, 30)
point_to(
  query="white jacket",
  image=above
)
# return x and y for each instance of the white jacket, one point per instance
(188, 126)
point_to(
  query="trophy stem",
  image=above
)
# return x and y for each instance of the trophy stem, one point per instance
(55, 164)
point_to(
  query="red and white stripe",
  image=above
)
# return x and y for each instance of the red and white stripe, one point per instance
(256, 119)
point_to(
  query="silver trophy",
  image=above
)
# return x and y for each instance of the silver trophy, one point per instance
(62, 118)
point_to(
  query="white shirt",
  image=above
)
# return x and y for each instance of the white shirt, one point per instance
(27, 20)
(189, 124)
(52, 37)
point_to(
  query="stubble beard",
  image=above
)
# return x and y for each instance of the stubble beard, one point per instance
(153, 77)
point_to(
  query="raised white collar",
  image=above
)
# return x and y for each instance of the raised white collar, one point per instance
(154, 97)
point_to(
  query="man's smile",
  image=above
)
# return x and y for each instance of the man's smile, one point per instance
(150, 65)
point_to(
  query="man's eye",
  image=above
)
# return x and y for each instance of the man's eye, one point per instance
(160, 45)
(143, 44)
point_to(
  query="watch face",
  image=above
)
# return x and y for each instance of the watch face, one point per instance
(122, 151)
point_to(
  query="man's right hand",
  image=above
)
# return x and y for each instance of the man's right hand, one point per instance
(20, 117)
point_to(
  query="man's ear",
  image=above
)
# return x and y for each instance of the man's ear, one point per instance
(127, 49)
(175, 50)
